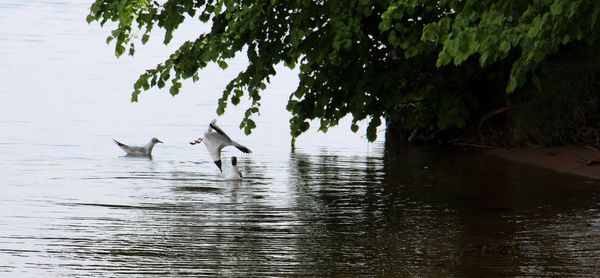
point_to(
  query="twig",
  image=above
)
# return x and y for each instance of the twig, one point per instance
(474, 145)
(413, 134)
(493, 113)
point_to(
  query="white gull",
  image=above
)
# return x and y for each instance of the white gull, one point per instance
(145, 150)
(216, 141)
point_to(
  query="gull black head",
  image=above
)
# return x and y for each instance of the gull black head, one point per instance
(218, 163)
(233, 161)
(155, 140)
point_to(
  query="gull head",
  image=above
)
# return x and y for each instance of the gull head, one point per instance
(155, 140)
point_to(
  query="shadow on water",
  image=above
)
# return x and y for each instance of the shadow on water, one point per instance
(432, 212)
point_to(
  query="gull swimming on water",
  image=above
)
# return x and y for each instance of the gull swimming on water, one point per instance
(234, 173)
(145, 150)
(216, 141)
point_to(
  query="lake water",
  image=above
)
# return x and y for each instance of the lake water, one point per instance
(72, 205)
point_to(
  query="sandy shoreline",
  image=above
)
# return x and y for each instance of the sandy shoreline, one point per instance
(565, 159)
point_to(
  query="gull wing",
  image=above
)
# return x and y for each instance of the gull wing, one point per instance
(241, 147)
(123, 146)
(129, 149)
(220, 131)
(213, 122)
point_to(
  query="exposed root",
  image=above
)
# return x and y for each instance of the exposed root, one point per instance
(493, 113)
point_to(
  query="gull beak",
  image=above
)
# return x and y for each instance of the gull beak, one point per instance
(159, 141)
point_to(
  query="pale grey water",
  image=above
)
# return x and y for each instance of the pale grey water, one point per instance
(72, 205)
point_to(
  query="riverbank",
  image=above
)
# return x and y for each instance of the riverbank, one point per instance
(565, 159)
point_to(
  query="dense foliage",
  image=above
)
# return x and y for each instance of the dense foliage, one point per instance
(439, 66)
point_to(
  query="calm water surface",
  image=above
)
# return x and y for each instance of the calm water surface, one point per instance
(72, 205)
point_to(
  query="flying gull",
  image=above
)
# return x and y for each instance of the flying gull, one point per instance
(216, 141)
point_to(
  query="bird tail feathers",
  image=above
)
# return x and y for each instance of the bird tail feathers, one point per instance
(119, 143)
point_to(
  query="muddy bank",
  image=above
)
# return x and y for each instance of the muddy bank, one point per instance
(566, 159)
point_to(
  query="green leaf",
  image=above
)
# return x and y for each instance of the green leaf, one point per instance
(134, 95)
(204, 17)
(304, 126)
(443, 59)
(372, 129)
(249, 125)
(394, 39)
(90, 18)
(556, 8)
(221, 109)
(483, 59)
(174, 90)
(119, 50)
(235, 100)
(512, 85)
(504, 46)
(222, 64)
(429, 33)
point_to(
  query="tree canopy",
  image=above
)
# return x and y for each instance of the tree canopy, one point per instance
(437, 63)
